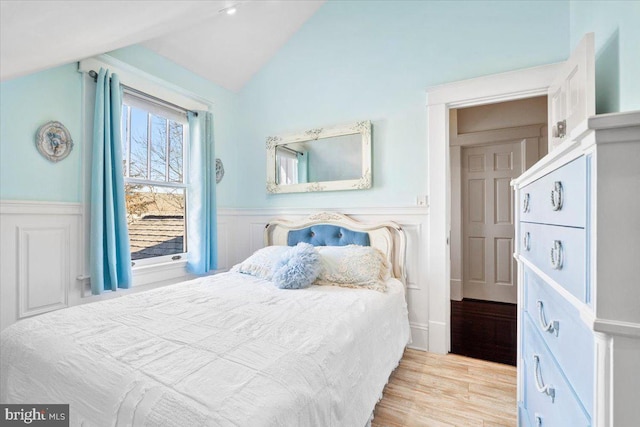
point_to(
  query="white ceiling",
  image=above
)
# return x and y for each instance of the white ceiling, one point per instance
(225, 49)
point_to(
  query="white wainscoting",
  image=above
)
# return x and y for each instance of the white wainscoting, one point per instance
(39, 258)
(43, 254)
(241, 232)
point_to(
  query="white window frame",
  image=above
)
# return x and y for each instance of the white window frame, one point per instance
(144, 275)
(157, 108)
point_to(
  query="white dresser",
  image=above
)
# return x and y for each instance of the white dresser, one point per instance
(578, 225)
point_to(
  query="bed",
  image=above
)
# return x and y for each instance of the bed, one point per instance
(230, 349)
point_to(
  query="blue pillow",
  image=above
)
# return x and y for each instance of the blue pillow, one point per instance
(298, 268)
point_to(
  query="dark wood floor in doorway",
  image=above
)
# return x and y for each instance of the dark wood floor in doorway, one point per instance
(484, 330)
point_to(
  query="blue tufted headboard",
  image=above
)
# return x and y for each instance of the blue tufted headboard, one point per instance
(335, 229)
(328, 235)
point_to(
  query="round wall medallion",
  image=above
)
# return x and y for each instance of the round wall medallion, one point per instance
(219, 170)
(53, 141)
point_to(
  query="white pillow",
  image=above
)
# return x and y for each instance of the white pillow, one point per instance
(262, 262)
(353, 266)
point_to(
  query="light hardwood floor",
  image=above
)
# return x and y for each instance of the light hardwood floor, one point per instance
(447, 390)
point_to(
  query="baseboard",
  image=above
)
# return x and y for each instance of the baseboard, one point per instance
(438, 337)
(456, 290)
(419, 336)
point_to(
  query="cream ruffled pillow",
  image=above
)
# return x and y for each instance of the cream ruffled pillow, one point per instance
(353, 266)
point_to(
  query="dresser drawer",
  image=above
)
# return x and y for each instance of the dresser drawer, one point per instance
(557, 198)
(560, 252)
(568, 338)
(547, 397)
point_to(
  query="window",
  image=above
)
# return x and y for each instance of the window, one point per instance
(155, 163)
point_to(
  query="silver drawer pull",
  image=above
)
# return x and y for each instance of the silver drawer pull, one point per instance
(526, 241)
(538, 418)
(551, 327)
(557, 255)
(525, 202)
(547, 389)
(557, 196)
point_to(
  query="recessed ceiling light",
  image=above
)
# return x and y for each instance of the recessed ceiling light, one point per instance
(230, 10)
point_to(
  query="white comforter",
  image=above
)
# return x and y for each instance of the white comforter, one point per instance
(226, 350)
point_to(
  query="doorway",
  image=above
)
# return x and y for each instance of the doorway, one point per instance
(489, 145)
(570, 86)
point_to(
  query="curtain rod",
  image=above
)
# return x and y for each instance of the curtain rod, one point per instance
(94, 75)
(282, 147)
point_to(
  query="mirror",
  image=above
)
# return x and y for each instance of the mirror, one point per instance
(325, 159)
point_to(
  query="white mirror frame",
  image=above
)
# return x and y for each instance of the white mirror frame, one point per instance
(364, 182)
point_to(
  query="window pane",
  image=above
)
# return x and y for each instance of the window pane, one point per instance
(138, 167)
(158, 148)
(176, 151)
(156, 220)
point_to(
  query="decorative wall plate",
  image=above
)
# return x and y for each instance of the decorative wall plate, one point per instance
(53, 141)
(219, 170)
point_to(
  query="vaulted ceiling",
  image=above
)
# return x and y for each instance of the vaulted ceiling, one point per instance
(198, 35)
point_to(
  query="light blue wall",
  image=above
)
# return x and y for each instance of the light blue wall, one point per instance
(358, 60)
(25, 104)
(56, 94)
(352, 60)
(617, 28)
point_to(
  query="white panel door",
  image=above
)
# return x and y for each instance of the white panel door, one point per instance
(489, 270)
(572, 95)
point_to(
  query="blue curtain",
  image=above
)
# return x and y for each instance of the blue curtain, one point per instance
(202, 237)
(110, 255)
